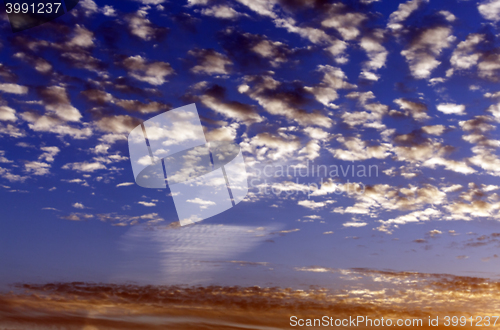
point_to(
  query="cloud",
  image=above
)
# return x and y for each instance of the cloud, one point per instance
(434, 232)
(282, 99)
(77, 217)
(373, 115)
(78, 205)
(313, 205)
(465, 55)
(354, 224)
(489, 66)
(346, 23)
(486, 159)
(55, 125)
(450, 108)
(37, 168)
(200, 201)
(214, 98)
(272, 146)
(102, 98)
(89, 7)
(151, 2)
(490, 9)
(221, 11)
(8, 175)
(283, 232)
(333, 80)
(82, 38)
(227, 133)
(84, 183)
(121, 220)
(49, 153)
(404, 11)
(42, 166)
(141, 27)
(264, 8)
(477, 124)
(316, 36)
(7, 113)
(57, 102)
(144, 108)
(333, 45)
(3, 159)
(210, 62)
(383, 198)
(416, 216)
(12, 131)
(434, 129)
(153, 73)
(416, 109)
(125, 184)
(118, 124)
(422, 52)
(357, 149)
(274, 51)
(377, 55)
(13, 89)
(84, 166)
(415, 149)
(148, 204)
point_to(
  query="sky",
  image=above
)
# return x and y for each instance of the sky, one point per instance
(368, 130)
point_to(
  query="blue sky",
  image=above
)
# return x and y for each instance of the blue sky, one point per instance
(409, 87)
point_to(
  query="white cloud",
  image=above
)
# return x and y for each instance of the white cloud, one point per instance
(434, 129)
(153, 73)
(140, 26)
(346, 23)
(422, 53)
(313, 205)
(265, 91)
(404, 11)
(148, 204)
(3, 159)
(13, 89)
(357, 149)
(354, 224)
(210, 62)
(416, 216)
(84, 166)
(221, 11)
(450, 108)
(490, 9)
(465, 55)
(416, 109)
(55, 125)
(49, 154)
(202, 203)
(262, 7)
(377, 55)
(37, 168)
(78, 205)
(8, 175)
(125, 184)
(234, 110)
(82, 38)
(7, 114)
